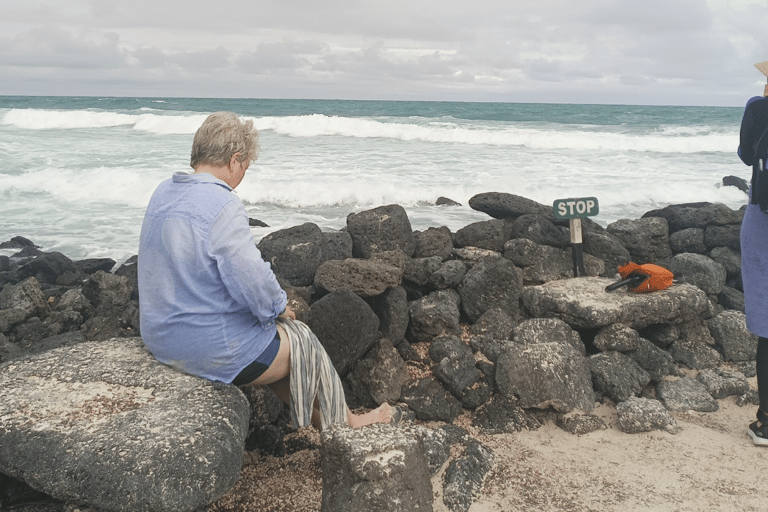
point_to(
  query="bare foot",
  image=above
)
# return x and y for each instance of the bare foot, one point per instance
(382, 414)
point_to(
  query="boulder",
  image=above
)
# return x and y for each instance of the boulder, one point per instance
(295, 253)
(723, 236)
(543, 263)
(434, 315)
(695, 215)
(546, 375)
(92, 265)
(419, 270)
(722, 383)
(490, 283)
(367, 278)
(617, 376)
(644, 415)
(455, 369)
(583, 303)
(380, 467)
(686, 394)
(548, 330)
(646, 239)
(736, 342)
(502, 414)
(700, 271)
(487, 234)
(607, 247)
(688, 240)
(346, 327)
(433, 242)
(495, 323)
(464, 476)
(501, 205)
(430, 401)
(449, 275)
(385, 228)
(106, 425)
(657, 362)
(391, 307)
(379, 377)
(541, 230)
(617, 337)
(49, 268)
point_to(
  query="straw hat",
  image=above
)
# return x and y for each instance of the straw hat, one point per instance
(763, 67)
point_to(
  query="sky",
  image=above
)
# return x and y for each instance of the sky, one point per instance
(657, 52)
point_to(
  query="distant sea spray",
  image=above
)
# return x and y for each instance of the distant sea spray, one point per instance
(76, 173)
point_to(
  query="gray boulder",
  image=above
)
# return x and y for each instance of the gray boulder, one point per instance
(583, 303)
(380, 467)
(646, 239)
(638, 415)
(547, 330)
(503, 414)
(490, 283)
(617, 337)
(495, 323)
(455, 369)
(688, 240)
(617, 376)
(379, 377)
(449, 275)
(546, 375)
(700, 271)
(728, 258)
(541, 230)
(391, 307)
(695, 215)
(657, 362)
(50, 267)
(487, 234)
(723, 236)
(430, 401)
(607, 247)
(419, 270)
(434, 315)
(464, 476)
(433, 242)
(729, 330)
(385, 228)
(723, 383)
(686, 394)
(346, 327)
(106, 425)
(367, 278)
(294, 253)
(543, 263)
(501, 205)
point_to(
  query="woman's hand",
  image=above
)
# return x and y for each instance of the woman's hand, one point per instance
(288, 313)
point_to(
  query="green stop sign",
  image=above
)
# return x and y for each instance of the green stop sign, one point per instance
(576, 207)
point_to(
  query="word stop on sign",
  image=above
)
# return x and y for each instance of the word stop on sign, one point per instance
(576, 208)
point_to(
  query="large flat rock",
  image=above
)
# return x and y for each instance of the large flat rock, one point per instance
(105, 425)
(583, 302)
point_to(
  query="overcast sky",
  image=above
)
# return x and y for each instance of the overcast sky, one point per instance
(663, 52)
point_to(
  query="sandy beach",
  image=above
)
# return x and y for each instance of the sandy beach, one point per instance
(709, 464)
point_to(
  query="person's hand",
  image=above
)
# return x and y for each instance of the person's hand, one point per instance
(288, 313)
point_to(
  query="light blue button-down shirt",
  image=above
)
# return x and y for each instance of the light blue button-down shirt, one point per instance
(208, 301)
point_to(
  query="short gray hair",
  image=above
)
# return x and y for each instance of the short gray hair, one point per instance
(222, 135)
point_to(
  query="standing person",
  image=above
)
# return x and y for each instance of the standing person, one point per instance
(210, 305)
(754, 248)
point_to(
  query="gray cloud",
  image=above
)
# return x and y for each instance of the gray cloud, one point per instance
(657, 51)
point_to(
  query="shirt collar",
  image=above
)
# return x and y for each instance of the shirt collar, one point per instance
(203, 177)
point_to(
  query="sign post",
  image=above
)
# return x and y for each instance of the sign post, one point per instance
(575, 209)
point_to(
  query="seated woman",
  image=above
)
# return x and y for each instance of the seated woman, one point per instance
(210, 305)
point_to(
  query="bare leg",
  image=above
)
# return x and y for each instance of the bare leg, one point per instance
(277, 377)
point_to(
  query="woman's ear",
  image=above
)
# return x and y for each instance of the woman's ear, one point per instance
(235, 158)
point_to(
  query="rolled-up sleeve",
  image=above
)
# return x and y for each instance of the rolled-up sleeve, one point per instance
(248, 278)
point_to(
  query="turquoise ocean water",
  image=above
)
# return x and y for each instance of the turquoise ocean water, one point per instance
(76, 173)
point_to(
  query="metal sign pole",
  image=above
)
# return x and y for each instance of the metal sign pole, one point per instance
(577, 248)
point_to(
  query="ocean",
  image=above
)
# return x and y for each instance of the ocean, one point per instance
(76, 173)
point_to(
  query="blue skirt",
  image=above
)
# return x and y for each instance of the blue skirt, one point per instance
(754, 268)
